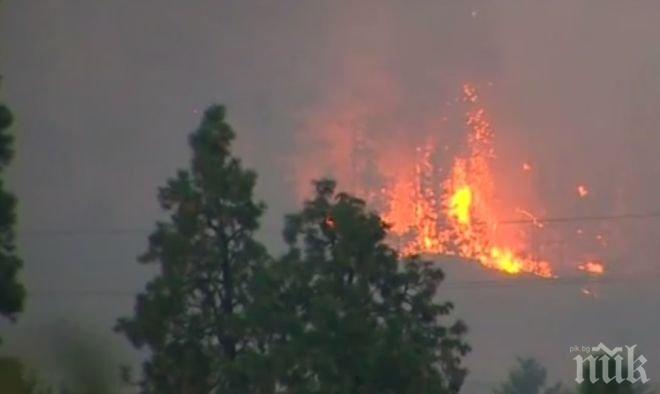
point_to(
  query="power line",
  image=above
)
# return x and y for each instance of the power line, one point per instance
(587, 218)
(143, 230)
(83, 231)
(561, 281)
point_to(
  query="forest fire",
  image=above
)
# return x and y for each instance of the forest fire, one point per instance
(460, 218)
(437, 204)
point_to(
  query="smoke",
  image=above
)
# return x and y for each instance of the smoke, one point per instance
(569, 88)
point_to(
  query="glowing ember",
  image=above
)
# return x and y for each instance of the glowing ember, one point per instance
(582, 191)
(330, 222)
(470, 93)
(592, 267)
(589, 292)
(535, 221)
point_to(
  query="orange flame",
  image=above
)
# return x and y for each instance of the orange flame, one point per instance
(459, 219)
(457, 210)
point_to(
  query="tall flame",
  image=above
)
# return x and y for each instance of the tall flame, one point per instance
(460, 219)
(454, 208)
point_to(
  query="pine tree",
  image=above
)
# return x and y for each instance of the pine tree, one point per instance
(361, 319)
(192, 316)
(528, 377)
(12, 293)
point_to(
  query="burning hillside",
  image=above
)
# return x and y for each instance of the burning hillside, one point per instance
(457, 215)
(456, 208)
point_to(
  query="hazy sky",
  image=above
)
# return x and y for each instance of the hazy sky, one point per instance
(105, 93)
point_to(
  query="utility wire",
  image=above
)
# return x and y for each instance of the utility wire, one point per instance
(459, 285)
(560, 219)
(143, 230)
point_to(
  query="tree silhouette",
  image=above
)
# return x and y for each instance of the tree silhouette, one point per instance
(12, 293)
(528, 377)
(192, 315)
(364, 319)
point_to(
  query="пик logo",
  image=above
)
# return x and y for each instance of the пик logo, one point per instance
(610, 359)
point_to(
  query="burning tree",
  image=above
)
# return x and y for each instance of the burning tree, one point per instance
(461, 218)
(446, 188)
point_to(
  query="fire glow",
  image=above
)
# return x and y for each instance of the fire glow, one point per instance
(592, 267)
(436, 204)
(460, 219)
(582, 191)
